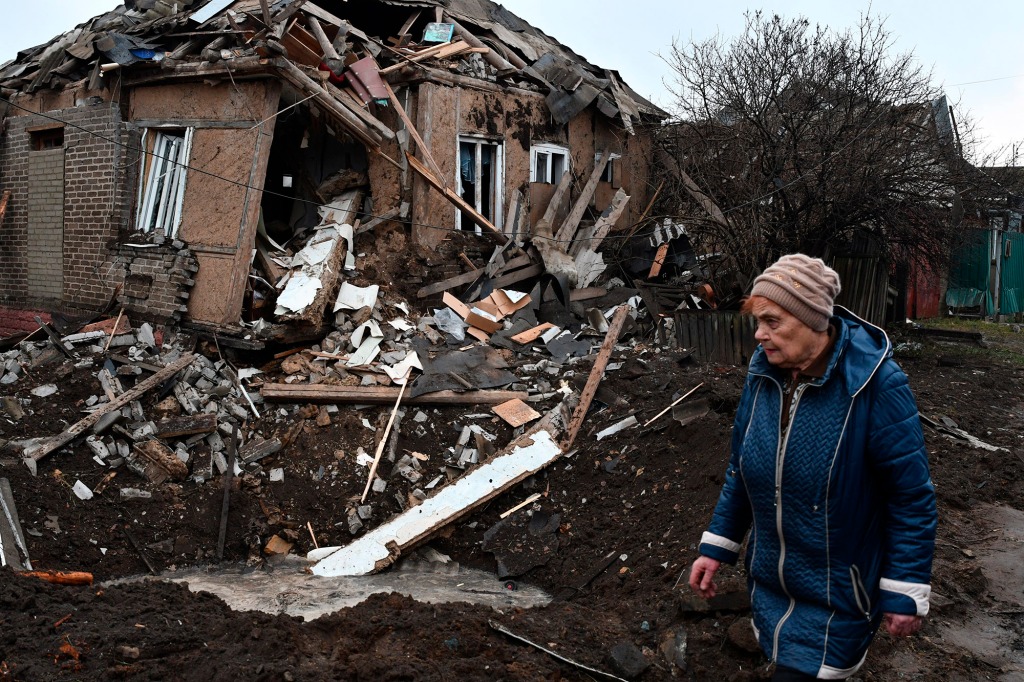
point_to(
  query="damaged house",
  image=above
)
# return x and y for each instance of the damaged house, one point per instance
(219, 163)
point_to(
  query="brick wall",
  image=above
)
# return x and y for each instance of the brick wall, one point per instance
(157, 279)
(95, 205)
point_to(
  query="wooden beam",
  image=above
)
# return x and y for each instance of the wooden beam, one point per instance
(556, 199)
(417, 57)
(407, 26)
(414, 134)
(320, 13)
(572, 221)
(659, 260)
(378, 549)
(393, 213)
(493, 58)
(330, 54)
(188, 425)
(468, 277)
(379, 395)
(34, 455)
(600, 363)
(330, 104)
(265, 6)
(488, 227)
(591, 238)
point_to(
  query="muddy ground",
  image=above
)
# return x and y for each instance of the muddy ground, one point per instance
(641, 497)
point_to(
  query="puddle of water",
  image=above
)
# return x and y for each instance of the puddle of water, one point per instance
(287, 588)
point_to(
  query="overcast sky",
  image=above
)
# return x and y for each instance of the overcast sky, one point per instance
(964, 43)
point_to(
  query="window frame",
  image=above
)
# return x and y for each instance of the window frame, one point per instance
(497, 192)
(163, 170)
(549, 149)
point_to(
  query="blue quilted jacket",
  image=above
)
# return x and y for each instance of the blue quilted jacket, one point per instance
(842, 505)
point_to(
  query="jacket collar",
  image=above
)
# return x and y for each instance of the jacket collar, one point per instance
(860, 349)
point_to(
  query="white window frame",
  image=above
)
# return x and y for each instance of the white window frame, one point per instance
(609, 174)
(542, 169)
(162, 188)
(497, 179)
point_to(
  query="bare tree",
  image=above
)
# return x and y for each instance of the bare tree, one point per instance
(793, 137)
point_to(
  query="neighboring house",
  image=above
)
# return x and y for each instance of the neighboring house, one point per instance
(987, 272)
(246, 130)
(723, 179)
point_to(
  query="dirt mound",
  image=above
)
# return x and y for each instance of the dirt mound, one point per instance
(617, 523)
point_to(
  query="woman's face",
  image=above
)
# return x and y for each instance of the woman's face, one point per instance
(787, 342)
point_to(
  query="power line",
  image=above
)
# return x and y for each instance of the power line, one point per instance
(989, 80)
(236, 183)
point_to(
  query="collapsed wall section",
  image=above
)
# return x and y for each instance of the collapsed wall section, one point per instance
(158, 279)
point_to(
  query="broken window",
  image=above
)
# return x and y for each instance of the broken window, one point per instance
(47, 138)
(611, 170)
(548, 162)
(480, 179)
(162, 191)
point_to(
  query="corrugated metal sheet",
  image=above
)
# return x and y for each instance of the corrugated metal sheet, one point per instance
(1011, 291)
(970, 274)
(724, 337)
(865, 286)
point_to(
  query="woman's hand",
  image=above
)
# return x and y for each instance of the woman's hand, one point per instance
(702, 576)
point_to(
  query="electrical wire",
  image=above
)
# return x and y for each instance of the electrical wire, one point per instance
(236, 183)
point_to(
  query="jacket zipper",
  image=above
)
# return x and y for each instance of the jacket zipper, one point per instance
(780, 459)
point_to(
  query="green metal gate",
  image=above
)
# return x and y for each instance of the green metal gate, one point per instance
(970, 275)
(1011, 274)
(987, 260)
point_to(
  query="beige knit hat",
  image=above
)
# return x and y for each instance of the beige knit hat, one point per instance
(803, 286)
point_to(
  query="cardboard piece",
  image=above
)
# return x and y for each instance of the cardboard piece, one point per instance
(516, 412)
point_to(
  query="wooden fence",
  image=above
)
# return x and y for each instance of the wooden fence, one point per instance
(723, 337)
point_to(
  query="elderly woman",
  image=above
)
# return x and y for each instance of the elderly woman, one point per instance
(829, 468)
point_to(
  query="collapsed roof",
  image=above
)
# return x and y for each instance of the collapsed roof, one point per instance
(153, 34)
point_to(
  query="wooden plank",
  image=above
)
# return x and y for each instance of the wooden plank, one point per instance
(572, 221)
(393, 213)
(265, 6)
(532, 334)
(511, 224)
(188, 425)
(488, 228)
(587, 293)
(379, 395)
(33, 456)
(419, 56)
(321, 14)
(54, 338)
(515, 413)
(409, 22)
(318, 32)
(548, 218)
(468, 277)
(600, 363)
(519, 276)
(603, 225)
(659, 260)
